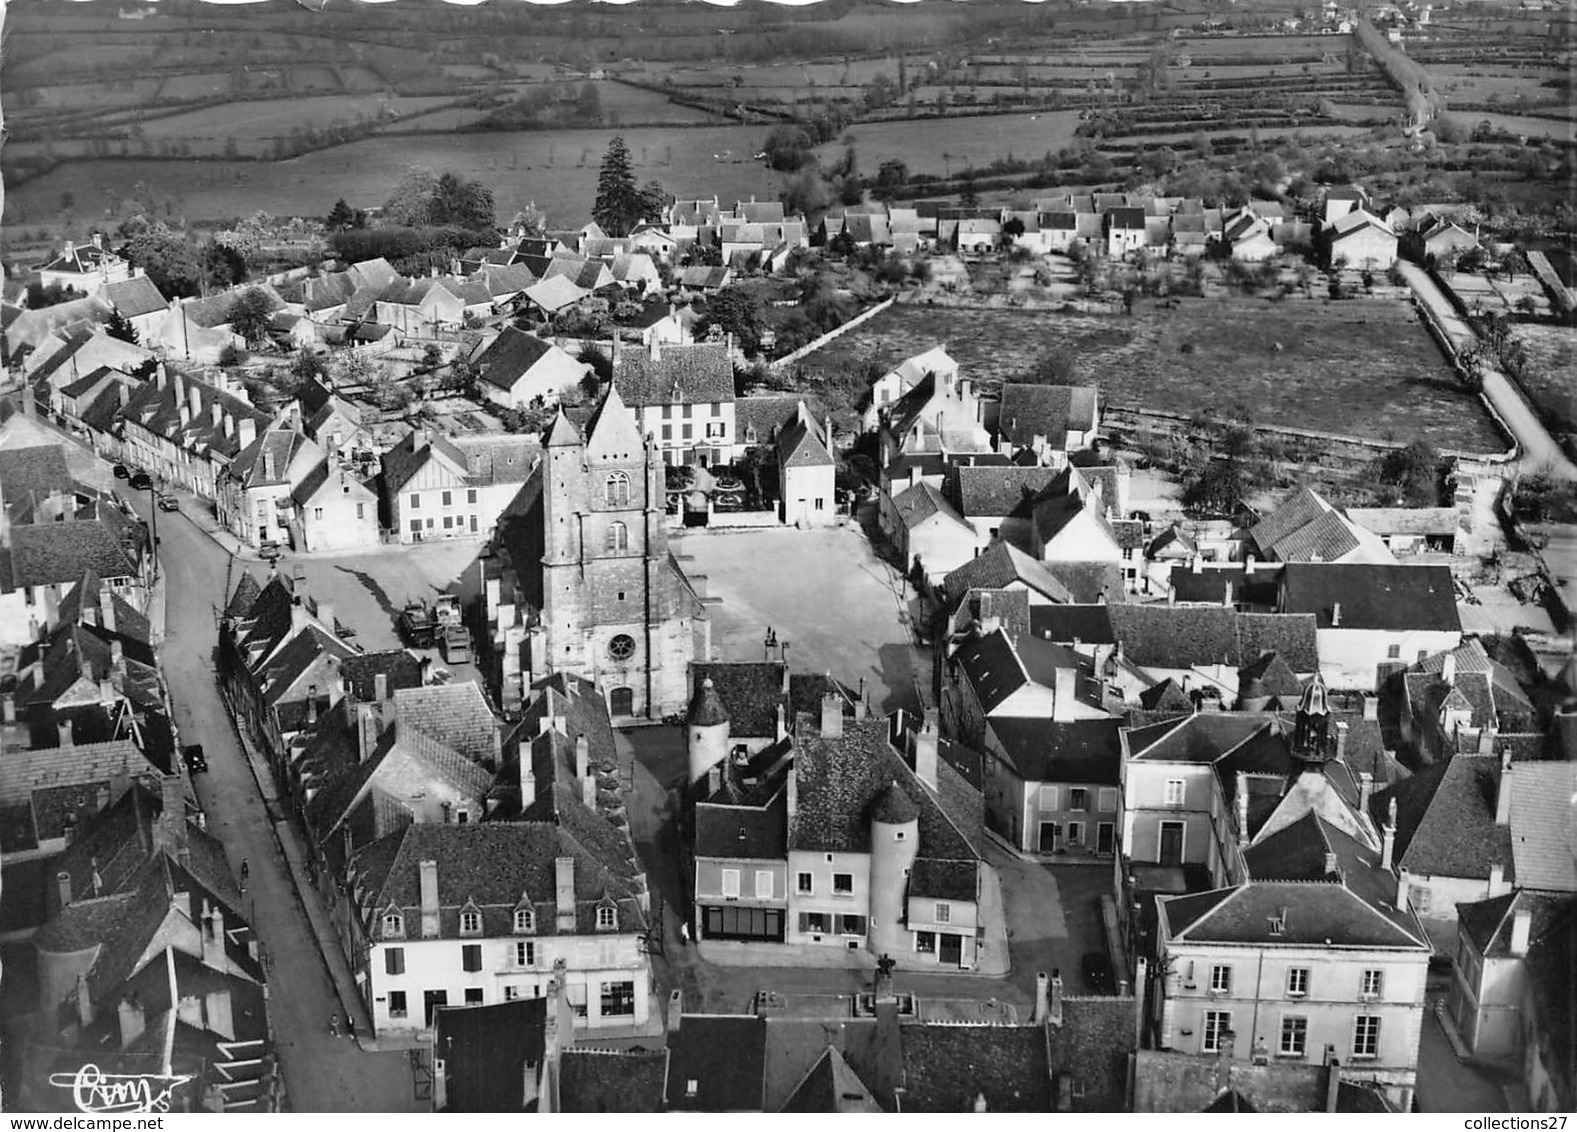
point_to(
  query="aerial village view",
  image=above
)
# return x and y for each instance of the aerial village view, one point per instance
(858, 557)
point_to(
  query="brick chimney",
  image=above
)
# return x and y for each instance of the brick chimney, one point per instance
(245, 432)
(1388, 837)
(564, 893)
(1064, 693)
(213, 933)
(63, 889)
(1521, 931)
(106, 608)
(429, 898)
(1042, 999)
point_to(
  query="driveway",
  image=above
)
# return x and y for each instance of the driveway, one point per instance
(833, 605)
(322, 1073)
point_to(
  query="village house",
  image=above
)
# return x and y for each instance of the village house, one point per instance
(904, 377)
(186, 432)
(1462, 700)
(518, 368)
(255, 491)
(1512, 994)
(334, 510)
(84, 267)
(1373, 619)
(138, 301)
(438, 486)
(1362, 241)
(682, 397)
(930, 534)
(996, 675)
(1305, 528)
(807, 472)
(1053, 786)
(1048, 420)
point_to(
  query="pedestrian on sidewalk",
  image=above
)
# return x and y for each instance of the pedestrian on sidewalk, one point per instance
(334, 1025)
(350, 1027)
(246, 871)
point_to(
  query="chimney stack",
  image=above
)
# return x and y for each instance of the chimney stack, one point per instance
(582, 757)
(1503, 791)
(1333, 1081)
(1342, 728)
(1388, 837)
(925, 747)
(132, 1020)
(1042, 998)
(831, 716)
(429, 898)
(213, 934)
(1521, 930)
(675, 1010)
(63, 888)
(1065, 685)
(1448, 669)
(106, 608)
(1371, 706)
(380, 686)
(564, 893)
(1365, 790)
(84, 1001)
(1336, 615)
(245, 432)
(64, 725)
(1054, 1007)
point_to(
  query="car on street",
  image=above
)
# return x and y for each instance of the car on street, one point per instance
(269, 548)
(140, 481)
(121, 471)
(196, 761)
(169, 503)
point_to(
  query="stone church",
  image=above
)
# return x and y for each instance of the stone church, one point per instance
(582, 581)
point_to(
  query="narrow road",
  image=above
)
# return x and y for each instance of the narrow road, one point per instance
(322, 1073)
(1539, 450)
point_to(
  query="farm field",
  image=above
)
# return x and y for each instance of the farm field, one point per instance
(268, 118)
(1357, 367)
(555, 168)
(1550, 380)
(922, 143)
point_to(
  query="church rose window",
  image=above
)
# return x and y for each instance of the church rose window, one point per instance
(622, 647)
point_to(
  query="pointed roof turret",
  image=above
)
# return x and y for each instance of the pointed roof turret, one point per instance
(612, 429)
(706, 707)
(1313, 722)
(893, 807)
(563, 434)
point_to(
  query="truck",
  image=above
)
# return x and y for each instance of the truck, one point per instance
(453, 637)
(418, 625)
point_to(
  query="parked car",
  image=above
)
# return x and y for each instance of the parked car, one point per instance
(270, 548)
(196, 761)
(169, 503)
(140, 481)
(121, 471)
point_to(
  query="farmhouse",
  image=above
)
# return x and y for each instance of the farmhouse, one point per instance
(1362, 241)
(517, 368)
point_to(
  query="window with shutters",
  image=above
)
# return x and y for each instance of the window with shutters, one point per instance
(1108, 800)
(525, 953)
(471, 957)
(763, 884)
(730, 882)
(394, 960)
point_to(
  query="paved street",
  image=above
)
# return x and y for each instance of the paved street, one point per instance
(1445, 1083)
(1539, 450)
(322, 1073)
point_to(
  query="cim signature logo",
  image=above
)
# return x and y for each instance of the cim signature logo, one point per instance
(95, 1091)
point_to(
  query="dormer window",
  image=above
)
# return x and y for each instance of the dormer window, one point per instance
(470, 922)
(393, 925)
(525, 921)
(607, 918)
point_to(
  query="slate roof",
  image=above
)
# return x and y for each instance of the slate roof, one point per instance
(1074, 751)
(1010, 608)
(1089, 582)
(1544, 824)
(946, 1067)
(1270, 676)
(747, 828)
(612, 1080)
(1092, 1047)
(510, 356)
(1392, 598)
(831, 1086)
(1048, 411)
(33, 472)
(157, 410)
(716, 1063)
(802, 442)
(918, 503)
(486, 1051)
(1209, 584)
(251, 465)
(1445, 819)
(481, 461)
(1311, 915)
(696, 374)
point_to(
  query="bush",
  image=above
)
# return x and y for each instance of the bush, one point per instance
(231, 356)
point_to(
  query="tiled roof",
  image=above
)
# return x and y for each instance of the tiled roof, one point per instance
(803, 442)
(1269, 675)
(555, 293)
(510, 356)
(697, 374)
(743, 831)
(918, 503)
(1181, 636)
(456, 715)
(749, 692)
(1092, 1046)
(1048, 411)
(991, 492)
(1445, 819)
(477, 461)
(1009, 608)
(831, 1086)
(946, 1067)
(998, 566)
(716, 1063)
(838, 780)
(55, 553)
(157, 410)
(33, 472)
(757, 419)
(134, 297)
(1076, 751)
(612, 1080)
(272, 451)
(1310, 914)
(1209, 584)
(494, 866)
(1089, 582)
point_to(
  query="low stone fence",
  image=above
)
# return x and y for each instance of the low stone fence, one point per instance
(789, 359)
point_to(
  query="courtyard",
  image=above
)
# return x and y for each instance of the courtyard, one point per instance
(831, 603)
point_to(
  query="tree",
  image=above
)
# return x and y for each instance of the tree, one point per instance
(531, 220)
(40, 296)
(967, 196)
(457, 202)
(654, 200)
(806, 192)
(737, 312)
(1415, 472)
(342, 217)
(119, 326)
(619, 206)
(787, 148)
(222, 266)
(167, 259)
(411, 202)
(249, 314)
